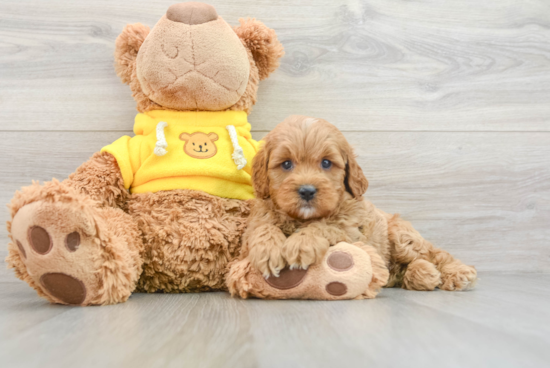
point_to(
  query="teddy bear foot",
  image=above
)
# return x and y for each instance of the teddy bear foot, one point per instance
(70, 255)
(347, 271)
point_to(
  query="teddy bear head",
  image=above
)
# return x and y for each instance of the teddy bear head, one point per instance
(193, 60)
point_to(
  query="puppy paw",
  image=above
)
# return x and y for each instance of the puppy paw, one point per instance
(301, 251)
(457, 276)
(421, 275)
(268, 260)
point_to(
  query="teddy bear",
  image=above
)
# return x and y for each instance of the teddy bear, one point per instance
(163, 211)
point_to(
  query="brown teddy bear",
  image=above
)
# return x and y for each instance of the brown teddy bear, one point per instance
(163, 210)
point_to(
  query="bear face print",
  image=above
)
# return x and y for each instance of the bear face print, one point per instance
(200, 145)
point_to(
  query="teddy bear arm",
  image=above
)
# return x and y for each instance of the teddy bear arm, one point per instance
(101, 179)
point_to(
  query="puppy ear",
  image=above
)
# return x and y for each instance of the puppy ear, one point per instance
(260, 180)
(263, 43)
(355, 181)
(213, 137)
(185, 137)
(126, 49)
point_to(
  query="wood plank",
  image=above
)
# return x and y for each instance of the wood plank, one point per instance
(483, 196)
(376, 65)
(501, 296)
(399, 328)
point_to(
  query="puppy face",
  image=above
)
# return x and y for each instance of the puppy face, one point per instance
(305, 167)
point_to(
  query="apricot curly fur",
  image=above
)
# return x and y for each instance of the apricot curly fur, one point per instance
(421, 275)
(338, 213)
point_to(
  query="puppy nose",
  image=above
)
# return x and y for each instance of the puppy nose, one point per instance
(191, 13)
(307, 192)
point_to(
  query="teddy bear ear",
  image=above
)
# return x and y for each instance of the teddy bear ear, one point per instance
(213, 137)
(263, 43)
(126, 49)
(185, 137)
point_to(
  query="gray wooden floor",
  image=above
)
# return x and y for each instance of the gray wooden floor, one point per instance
(505, 322)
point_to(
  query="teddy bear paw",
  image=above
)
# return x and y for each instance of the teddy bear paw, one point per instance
(57, 246)
(345, 272)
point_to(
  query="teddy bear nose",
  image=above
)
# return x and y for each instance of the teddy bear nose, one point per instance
(191, 13)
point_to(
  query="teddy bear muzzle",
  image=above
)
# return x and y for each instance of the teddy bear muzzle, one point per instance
(191, 13)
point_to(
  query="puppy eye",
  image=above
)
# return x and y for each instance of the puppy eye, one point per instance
(326, 164)
(287, 165)
(205, 143)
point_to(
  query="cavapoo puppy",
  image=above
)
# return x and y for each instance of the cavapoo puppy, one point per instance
(309, 191)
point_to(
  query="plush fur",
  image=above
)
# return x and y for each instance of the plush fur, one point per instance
(286, 230)
(172, 241)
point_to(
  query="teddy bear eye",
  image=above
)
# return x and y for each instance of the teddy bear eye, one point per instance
(193, 143)
(287, 165)
(205, 144)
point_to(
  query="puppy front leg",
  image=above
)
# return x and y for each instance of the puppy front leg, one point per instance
(305, 247)
(265, 249)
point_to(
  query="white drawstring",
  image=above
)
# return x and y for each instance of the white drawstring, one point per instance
(161, 145)
(238, 153)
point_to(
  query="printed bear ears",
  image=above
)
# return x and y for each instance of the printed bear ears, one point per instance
(257, 37)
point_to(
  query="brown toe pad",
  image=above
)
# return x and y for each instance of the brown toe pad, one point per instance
(64, 287)
(287, 279)
(340, 261)
(336, 288)
(40, 240)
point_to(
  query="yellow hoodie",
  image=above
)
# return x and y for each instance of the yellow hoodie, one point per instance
(199, 150)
